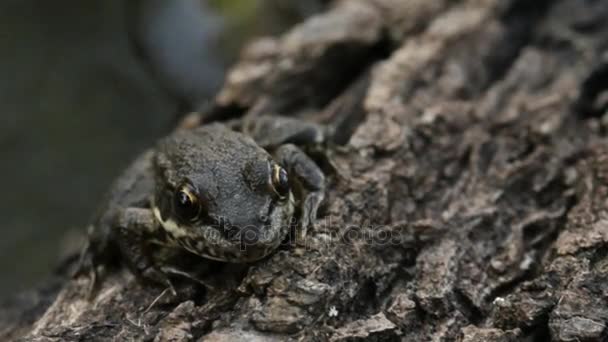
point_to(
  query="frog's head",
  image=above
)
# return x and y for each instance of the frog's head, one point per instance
(219, 195)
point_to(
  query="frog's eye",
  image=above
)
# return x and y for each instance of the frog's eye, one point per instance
(186, 203)
(280, 181)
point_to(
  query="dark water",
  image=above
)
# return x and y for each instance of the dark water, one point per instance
(76, 105)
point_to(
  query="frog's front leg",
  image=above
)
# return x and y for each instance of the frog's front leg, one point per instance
(283, 134)
(136, 229)
(309, 182)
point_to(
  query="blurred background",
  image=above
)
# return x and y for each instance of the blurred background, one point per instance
(87, 85)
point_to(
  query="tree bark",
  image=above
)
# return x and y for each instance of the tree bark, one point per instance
(466, 197)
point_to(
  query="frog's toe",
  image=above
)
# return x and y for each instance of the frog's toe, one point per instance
(311, 205)
(86, 268)
(159, 277)
(187, 275)
(83, 266)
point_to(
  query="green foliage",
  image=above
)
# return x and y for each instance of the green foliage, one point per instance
(236, 10)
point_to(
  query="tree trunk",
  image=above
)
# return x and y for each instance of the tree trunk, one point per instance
(467, 186)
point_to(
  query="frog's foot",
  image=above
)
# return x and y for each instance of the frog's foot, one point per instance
(306, 174)
(177, 272)
(159, 277)
(86, 266)
(131, 224)
(93, 279)
(312, 202)
(84, 263)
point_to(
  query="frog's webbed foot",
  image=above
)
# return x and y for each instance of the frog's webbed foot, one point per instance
(134, 225)
(309, 177)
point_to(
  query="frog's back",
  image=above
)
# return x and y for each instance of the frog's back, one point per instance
(209, 151)
(208, 143)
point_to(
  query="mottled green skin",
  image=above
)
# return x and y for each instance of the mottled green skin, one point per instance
(243, 218)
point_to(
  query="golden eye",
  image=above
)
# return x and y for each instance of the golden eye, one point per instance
(186, 203)
(280, 181)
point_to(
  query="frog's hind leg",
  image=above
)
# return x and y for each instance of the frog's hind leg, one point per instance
(273, 131)
(135, 225)
(309, 176)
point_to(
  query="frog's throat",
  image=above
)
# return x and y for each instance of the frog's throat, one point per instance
(170, 225)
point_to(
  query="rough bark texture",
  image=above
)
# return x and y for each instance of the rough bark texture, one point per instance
(467, 194)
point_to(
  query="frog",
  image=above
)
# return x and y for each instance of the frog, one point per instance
(221, 192)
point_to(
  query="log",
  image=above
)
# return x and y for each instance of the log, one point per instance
(467, 187)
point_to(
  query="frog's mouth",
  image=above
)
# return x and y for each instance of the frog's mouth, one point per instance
(248, 245)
